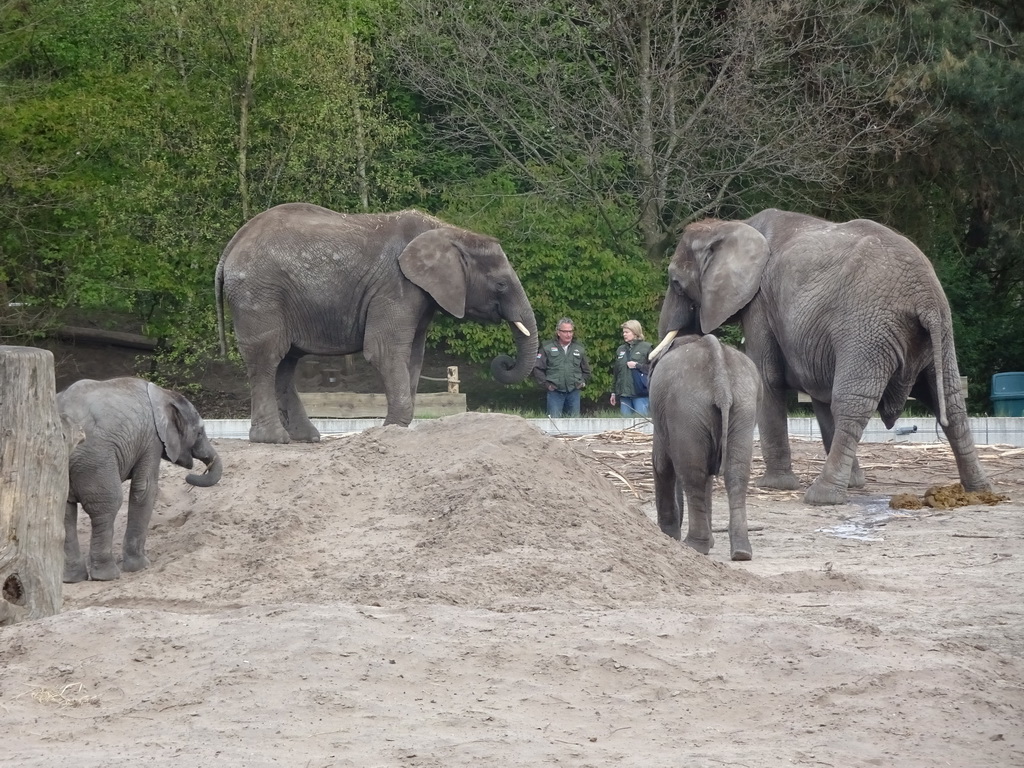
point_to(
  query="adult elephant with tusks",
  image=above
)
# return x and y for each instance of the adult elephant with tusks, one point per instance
(301, 279)
(852, 314)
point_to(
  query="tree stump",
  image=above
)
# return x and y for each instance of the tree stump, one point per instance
(34, 448)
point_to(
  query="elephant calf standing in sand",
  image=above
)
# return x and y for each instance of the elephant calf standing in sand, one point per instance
(129, 426)
(704, 401)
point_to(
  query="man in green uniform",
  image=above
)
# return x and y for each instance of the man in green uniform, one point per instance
(563, 370)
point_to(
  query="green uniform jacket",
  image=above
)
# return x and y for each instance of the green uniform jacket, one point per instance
(638, 352)
(567, 370)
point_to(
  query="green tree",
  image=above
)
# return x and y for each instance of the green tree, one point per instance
(137, 137)
(570, 264)
(960, 195)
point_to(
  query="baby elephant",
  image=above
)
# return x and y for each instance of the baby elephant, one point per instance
(129, 425)
(704, 402)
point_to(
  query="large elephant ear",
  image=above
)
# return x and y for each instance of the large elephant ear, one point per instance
(731, 260)
(434, 263)
(168, 421)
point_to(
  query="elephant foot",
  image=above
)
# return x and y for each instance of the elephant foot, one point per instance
(741, 549)
(134, 563)
(104, 572)
(674, 531)
(779, 480)
(981, 486)
(701, 545)
(857, 477)
(268, 434)
(822, 494)
(75, 572)
(308, 434)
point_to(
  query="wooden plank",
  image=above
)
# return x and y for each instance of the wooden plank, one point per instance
(356, 405)
(803, 397)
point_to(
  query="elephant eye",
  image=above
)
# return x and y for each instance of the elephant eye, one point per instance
(502, 286)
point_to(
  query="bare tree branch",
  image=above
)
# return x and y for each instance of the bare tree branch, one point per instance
(678, 105)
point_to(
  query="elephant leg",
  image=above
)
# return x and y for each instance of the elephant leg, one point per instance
(736, 474)
(851, 410)
(392, 364)
(668, 500)
(958, 432)
(394, 346)
(262, 359)
(292, 411)
(102, 510)
(416, 353)
(141, 498)
(74, 564)
(698, 500)
(773, 424)
(399, 395)
(772, 417)
(961, 440)
(823, 413)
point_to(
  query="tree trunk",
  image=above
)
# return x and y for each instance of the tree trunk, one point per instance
(33, 485)
(357, 115)
(245, 104)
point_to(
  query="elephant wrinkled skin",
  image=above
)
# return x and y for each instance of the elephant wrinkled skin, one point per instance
(129, 426)
(704, 401)
(301, 279)
(852, 314)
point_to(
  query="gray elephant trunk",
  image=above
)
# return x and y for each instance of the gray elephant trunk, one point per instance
(214, 470)
(508, 371)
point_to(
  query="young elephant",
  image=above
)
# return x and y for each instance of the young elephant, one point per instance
(129, 425)
(704, 401)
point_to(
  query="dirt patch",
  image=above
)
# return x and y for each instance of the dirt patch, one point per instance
(472, 592)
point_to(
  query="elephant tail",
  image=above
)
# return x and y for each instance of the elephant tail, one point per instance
(722, 396)
(218, 292)
(934, 325)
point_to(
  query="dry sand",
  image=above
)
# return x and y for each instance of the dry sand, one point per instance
(472, 592)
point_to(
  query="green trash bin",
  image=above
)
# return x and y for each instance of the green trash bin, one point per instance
(1008, 393)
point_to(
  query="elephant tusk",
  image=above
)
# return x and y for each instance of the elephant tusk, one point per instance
(523, 328)
(663, 345)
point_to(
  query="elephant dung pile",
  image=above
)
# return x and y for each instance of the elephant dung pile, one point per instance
(480, 510)
(945, 497)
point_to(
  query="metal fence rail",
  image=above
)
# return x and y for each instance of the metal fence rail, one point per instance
(990, 430)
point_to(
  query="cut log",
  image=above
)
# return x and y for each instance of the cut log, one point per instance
(33, 485)
(97, 336)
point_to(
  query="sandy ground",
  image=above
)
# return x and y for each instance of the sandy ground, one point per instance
(473, 592)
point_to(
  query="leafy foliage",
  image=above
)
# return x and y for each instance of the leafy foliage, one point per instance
(568, 264)
(960, 196)
(136, 137)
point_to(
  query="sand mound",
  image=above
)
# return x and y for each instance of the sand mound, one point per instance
(481, 510)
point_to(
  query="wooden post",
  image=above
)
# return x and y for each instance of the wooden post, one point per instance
(453, 379)
(33, 485)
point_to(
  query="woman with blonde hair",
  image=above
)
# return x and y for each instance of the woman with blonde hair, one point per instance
(630, 357)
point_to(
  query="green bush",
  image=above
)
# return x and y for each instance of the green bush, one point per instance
(568, 264)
